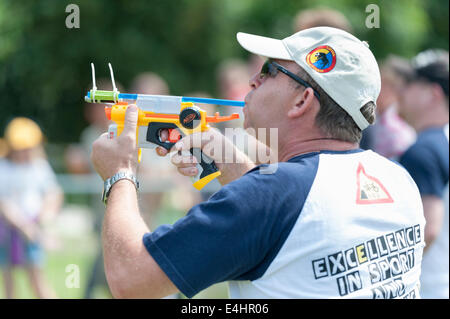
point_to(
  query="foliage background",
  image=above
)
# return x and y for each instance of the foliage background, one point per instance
(44, 67)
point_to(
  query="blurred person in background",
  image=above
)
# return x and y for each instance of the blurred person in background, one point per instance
(232, 81)
(30, 197)
(77, 161)
(321, 17)
(390, 136)
(424, 105)
(233, 76)
(3, 148)
(149, 83)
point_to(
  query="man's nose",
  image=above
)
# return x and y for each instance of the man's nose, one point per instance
(255, 81)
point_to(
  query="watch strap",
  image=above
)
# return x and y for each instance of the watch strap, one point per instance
(114, 179)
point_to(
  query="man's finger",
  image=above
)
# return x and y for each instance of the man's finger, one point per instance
(161, 151)
(104, 136)
(190, 141)
(164, 135)
(183, 160)
(131, 118)
(188, 171)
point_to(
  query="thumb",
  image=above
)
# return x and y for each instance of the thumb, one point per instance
(131, 119)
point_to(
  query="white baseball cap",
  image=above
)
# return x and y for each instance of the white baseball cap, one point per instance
(342, 65)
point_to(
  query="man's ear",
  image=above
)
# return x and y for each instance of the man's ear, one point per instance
(303, 102)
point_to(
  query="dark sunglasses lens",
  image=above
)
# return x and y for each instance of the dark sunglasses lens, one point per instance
(268, 69)
(265, 68)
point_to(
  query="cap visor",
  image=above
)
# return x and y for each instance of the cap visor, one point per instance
(267, 47)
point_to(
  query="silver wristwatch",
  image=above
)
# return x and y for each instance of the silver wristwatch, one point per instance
(114, 179)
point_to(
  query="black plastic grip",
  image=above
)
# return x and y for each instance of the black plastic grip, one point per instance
(205, 162)
(153, 133)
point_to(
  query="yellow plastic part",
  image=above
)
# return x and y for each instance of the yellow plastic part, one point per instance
(118, 116)
(205, 180)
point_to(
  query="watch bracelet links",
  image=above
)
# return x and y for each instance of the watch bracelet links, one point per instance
(109, 183)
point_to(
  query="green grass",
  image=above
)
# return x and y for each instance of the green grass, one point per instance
(56, 275)
(55, 272)
(81, 251)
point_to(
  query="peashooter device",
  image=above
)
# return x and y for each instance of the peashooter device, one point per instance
(177, 114)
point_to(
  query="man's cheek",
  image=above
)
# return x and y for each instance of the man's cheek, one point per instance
(245, 120)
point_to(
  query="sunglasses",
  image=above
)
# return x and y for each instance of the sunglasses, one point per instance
(271, 68)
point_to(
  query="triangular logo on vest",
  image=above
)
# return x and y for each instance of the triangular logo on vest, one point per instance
(369, 189)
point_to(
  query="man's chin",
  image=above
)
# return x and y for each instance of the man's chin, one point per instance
(246, 125)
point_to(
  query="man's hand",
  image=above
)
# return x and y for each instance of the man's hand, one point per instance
(229, 160)
(109, 156)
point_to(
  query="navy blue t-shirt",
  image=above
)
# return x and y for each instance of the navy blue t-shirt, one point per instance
(427, 161)
(238, 232)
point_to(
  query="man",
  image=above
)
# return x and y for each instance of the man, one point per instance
(330, 221)
(425, 106)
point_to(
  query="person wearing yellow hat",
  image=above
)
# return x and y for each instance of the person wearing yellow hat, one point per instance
(3, 148)
(23, 133)
(29, 194)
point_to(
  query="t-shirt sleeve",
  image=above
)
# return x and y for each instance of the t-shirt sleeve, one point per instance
(233, 236)
(424, 167)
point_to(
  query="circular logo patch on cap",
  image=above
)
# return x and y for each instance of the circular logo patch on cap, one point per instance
(322, 59)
